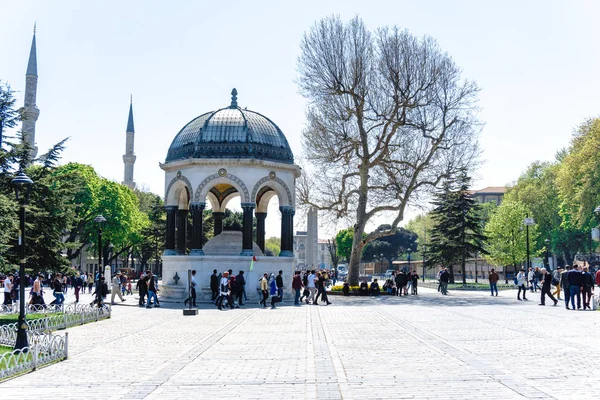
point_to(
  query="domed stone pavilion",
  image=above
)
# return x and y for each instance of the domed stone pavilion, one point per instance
(214, 158)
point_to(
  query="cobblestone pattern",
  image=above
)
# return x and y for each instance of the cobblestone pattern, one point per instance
(461, 346)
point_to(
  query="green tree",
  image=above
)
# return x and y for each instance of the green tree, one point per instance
(391, 247)
(537, 189)
(343, 241)
(151, 244)
(422, 225)
(458, 231)
(578, 184)
(272, 246)
(9, 116)
(507, 244)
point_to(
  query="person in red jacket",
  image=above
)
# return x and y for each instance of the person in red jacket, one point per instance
(598, 277)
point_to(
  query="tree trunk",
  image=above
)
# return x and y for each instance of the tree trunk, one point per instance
(463, 269)
(354, 265)
(451, 271)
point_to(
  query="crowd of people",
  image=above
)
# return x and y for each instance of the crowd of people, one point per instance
(577, 284)
(229, 290)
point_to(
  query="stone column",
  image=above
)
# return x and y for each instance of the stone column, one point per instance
(260, 229)
(218, 218)
(170, 237)
(247, 229)
(197, 210)
(181, 231)
(287, 231)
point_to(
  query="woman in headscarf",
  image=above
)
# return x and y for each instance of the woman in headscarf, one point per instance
(273, 291)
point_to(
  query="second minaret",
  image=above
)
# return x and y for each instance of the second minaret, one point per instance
(129, 156)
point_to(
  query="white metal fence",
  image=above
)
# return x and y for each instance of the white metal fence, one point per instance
(43, 349)
(74, 314)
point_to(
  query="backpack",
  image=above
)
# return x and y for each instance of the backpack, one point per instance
(516, 281)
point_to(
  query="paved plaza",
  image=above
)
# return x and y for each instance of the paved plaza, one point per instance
(465, 345)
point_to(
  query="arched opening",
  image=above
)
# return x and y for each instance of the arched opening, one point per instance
(273, 207)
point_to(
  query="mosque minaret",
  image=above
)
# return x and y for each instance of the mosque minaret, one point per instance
(129, 156)
(30, 112)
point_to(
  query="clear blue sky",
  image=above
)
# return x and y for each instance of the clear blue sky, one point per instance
(536, 62)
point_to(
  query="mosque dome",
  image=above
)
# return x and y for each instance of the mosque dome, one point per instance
(231, 132)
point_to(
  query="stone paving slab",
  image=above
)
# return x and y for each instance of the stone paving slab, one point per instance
(466, 345)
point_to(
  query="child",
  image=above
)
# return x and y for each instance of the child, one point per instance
(129, 291)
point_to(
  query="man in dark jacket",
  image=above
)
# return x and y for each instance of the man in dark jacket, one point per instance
(444, 279)
(279, 283)
(546, 287)
(142, 288)
(239, 287)
(401, 280)
(214, 286)
(588, 286)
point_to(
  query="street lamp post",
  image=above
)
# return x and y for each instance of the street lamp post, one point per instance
(476, 257)
(20, 182)
(528, 222)
(547, 242)
(100, 220)
(408, 252)
(423, 250)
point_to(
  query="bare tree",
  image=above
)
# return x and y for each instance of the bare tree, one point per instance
(332, 249)
(389, 117)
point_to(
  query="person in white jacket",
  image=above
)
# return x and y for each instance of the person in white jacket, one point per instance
(521, 281)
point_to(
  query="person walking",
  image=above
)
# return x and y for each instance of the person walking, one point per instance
(575, 282)
(279, 282)
(530, 278)
(521, 282)
(556, 282)
(116, 288)
(90, 282)
(214, 286)
(546, 287)
(493, 279)
(78, 285)
(311, 285)
(322, 289)
(83, 277)
(7, 290)
(224, 292)
(400, 282)
(264, 290)
(297, 286)
(587, 281)
(415, 281)
(142, 288)
(152, 289)
(57, 287)
(444, 279)
(240, 282)
(273, 290)
(193, 284)
(101, 292)
(537, 278)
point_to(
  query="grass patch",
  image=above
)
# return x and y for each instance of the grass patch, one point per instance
(7, 319)
(5, 349)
